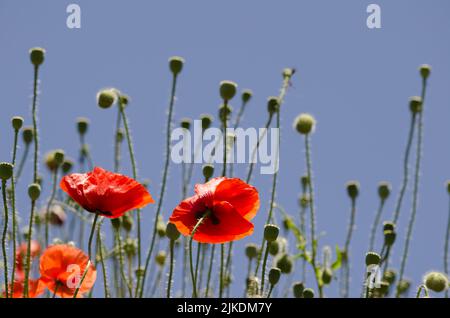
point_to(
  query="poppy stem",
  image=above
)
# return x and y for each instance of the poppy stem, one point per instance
(446, 246)
(351, 226)
(117, 143)
(13, 207)
(263, 275)
(208, 279)
(222, 256)
(35, 128)
(194, 230)
(419, 291)
(121, 262)
(270, 291)
(91, 236)
(28, 260)
(416, 187)
(5, 232)
(169, 282)
(197, 261)
(49, 204)
(164, 179)
(22, 161)
(375, 224)
(102, 261)
(56, 289)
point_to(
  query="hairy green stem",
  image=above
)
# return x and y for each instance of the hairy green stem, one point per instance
(13, 209)
(49, 204)
(376, 222)
(169, 282)
(5, 231)
(28, 259)
(191, 263)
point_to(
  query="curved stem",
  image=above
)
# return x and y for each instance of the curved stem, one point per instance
(351, 226)
(13, 208)
(22, 161)
(221, 278)
(263, 275)
(193, 276)
(208, 279)
(35, 128)
(446, 246)
(122, 265)
(376, 222)
(169, 282)
(102, 262)
(270, 291)
(5, 231)
(164, 180)
(28, 259)
(117, 142)
(49, 204)
(419, 291)
(197, 261)
(224, 123)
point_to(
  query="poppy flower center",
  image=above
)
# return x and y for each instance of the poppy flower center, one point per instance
(208, 213)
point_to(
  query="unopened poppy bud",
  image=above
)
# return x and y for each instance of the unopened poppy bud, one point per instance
(273, 104)
(383, 288)
(285, 263)
(372, 258)
(436, 281)
(274, 276)
(304, 123)
(127, 223)
(160, 258)
(251, 250)
(140, 271)
(308, 293)
(17, 122)
(425, 70)
(120, 135)
(50, 160)
(67, 165)
(106, 98)
(288, 72)
(353, 189)
(208, 171)
(246, 95)
(327, 275)
(59, 157)
(130, 247)
(274, 247)
(304, 200)
(185, 123)
(27, 135)
(57, 241)
(388, 226)
(389, 237)
(403, 286)
(271, 232)
(389, 276)
(82, 125)
(34, 191)
(172, 232)
(116, 223)
(206, 121)
(384, 189)
(37, 56)
(415, 104)
(227, 90)
(304, 180)
(176, 64)
(161, 228)
(124, 100)
(298, 289)
(6, 170)
(224, 112)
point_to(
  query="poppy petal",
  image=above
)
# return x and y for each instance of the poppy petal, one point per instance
(208, 187)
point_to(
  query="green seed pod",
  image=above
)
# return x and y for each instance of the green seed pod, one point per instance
(208, 171)
(298, 289)
(67, 166)
(27, 135)
(106, 98)
(130, 247)
(227, 90)
(271, 232)
(116, 223)
(403, 286)
(120, 135)
(161, 228)
(124, 100)
(82, 125)
(372, 258)
(274, 247)
(17, 122)
(389, 237)
(225, 112)
(172, 232)
(251, 250)
(389, 276)
(127, 223)
(186, 123)
(384, 189)
(176, 64)
(246, 95)
(304, 181)
(6, 170)
(273, 104)
(436, 281)
(59, 157)
(415, 104)
(285, 263)
(34, 191)
(206, 121)
(304, 124)
(288, 72)
(304, 200)
(37, 56)
(327, 275)
(308, 293)
(160, 258)
(388, 226)
(353, 189)
(274, 276)
(139, 271)
(425, 70)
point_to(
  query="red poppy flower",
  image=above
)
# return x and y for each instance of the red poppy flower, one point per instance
(62, 268)
(106, 193)
(231, 204)
(35, 289)
(21, 253)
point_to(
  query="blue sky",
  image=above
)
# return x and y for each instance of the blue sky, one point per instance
(354, 80)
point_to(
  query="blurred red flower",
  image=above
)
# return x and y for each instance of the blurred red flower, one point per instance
(35, 289)
(21, 254)
(109, 194)
(231, 204)
(62, 268)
